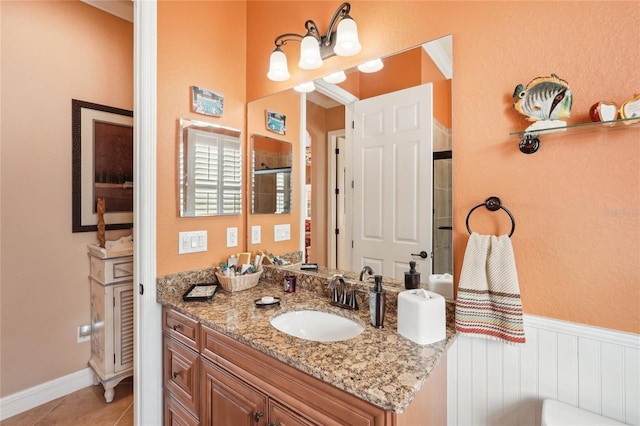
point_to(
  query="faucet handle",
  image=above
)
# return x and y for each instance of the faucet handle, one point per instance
(353, 300)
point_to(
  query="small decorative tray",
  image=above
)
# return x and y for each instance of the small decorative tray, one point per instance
(200, 292)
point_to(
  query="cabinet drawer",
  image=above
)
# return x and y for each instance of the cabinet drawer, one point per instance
(181, 374)
(176, 415)
(181, 328)
(281, 415)
(107, 271)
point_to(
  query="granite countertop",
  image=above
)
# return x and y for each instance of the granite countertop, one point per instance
(379, 365)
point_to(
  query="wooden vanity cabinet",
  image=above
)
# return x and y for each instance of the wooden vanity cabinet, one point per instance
(293, 397)
(239, 385)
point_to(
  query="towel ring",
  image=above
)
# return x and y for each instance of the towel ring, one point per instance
(493, 204)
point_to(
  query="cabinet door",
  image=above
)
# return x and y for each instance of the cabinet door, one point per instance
(226, 400)
(181, 374)
(123, 326)
(283, 416)
(176, 415)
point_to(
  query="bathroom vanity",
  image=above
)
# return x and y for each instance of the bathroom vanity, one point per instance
(224, 363)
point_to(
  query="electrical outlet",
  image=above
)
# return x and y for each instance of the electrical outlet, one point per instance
(192, 242)
(255, 234)
(84, 333)
(281, 232)
(232, 237)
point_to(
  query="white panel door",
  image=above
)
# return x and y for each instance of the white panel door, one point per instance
(392, 188)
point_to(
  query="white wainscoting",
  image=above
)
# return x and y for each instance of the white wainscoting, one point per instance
(492, 383)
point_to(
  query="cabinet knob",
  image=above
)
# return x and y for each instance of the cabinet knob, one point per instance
(175, 327)
(257, 416)
(272, 424)
(175, 374)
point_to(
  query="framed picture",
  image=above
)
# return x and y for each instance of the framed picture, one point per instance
(102, 157)
(206, 102)
(276, 122)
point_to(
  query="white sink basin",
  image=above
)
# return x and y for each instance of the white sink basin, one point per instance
(316, 325)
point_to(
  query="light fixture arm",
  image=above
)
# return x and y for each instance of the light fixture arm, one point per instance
(343, 12)
(282, 39)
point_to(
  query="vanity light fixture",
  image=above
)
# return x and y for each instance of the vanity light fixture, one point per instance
(371, 66)
(335, 78)
(315, 47)
(305, 87)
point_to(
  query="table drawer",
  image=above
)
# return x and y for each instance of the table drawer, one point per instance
(107, 271)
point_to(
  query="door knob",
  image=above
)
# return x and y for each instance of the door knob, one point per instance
(423, 254)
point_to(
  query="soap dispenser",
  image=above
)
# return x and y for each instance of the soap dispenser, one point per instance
(377, 302)
(412, 278)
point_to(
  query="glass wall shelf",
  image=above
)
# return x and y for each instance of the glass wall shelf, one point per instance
(530, 140)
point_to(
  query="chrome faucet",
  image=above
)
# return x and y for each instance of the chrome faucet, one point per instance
(366, 269)
(342, 298)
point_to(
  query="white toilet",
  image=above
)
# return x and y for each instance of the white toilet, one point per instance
(555, 413)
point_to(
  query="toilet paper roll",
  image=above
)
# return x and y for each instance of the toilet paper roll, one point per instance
(421, 316)
(442, 284)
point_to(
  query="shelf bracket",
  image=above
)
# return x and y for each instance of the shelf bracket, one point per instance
(529, 144)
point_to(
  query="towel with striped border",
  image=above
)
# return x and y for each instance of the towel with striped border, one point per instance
(488, 303)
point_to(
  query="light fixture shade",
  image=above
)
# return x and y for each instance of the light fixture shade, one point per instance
(310, 53)
(305, 87)
(371, 66)
(335, 78)
(278, 69)
(347, 43)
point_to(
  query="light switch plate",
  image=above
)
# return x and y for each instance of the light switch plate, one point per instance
(232, 237)
(256, 238)
(281, 232)
(192, 242)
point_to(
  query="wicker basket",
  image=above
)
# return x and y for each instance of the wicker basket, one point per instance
(240, 282)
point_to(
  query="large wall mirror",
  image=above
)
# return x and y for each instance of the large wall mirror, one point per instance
(271, 163)
(328, 202)
(209, 169)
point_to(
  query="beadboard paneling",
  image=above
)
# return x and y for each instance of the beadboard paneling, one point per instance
(492, 383)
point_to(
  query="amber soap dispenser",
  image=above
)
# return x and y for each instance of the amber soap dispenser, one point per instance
(377, 302)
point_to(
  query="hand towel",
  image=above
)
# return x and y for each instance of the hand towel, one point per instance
(488, 303)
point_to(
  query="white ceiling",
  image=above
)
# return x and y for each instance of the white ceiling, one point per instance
(120, 8)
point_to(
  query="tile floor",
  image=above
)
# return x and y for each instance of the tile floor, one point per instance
(85, 407)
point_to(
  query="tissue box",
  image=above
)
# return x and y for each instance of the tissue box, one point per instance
(442, 284)
(421, 316)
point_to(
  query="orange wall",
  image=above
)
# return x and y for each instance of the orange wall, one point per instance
(576, 201)
(52, 52)
(441, 90)
(287, 103)
(201, 44)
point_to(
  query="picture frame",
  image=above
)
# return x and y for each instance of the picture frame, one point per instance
(102, 165)
(206, 102)
(276, 122)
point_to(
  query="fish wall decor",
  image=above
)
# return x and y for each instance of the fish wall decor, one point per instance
(546, 99)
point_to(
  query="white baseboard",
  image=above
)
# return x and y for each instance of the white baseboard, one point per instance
(30, 398)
